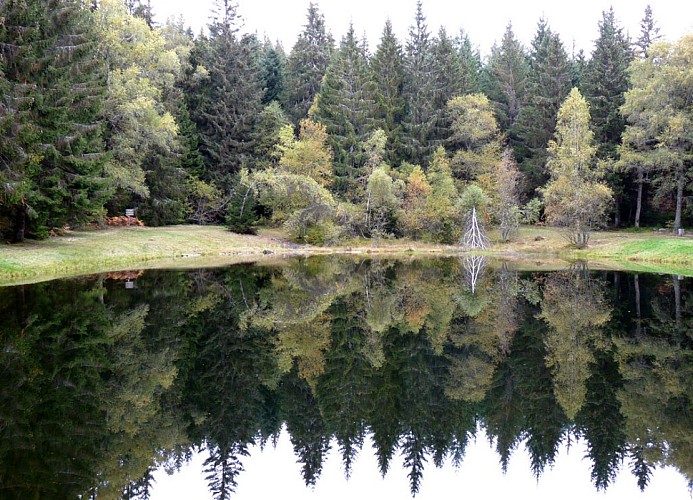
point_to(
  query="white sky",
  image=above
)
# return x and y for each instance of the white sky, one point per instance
(483, 20)
(274, 473)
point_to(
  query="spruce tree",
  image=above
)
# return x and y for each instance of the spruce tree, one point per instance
(470, 62)
(273, 71)
(56, 93)
(228, 117)
(448, 81)
(387, 70)
(606, 81)
(345, 106)
(549, 83)
(605, 84)
(420, 117)
(649, 33)
(306, 65)
(505, 78)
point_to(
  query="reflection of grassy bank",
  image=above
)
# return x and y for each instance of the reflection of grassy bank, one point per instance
(195, 246)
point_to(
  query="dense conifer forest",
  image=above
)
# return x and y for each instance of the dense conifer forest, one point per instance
(103, 109)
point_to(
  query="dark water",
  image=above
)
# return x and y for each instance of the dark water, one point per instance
(105, 379)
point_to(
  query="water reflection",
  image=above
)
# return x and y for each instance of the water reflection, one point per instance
(103, 384)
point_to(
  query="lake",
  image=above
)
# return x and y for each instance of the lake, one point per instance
(335, 377)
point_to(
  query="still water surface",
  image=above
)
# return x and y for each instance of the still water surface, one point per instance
(415, 377)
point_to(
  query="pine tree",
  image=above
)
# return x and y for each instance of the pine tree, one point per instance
(345, 106)
(505, 78)
(306, 65)
(470, 61)
(420, 118)
(387, 70)
(273, 71)
(547, 87)
(227, 119)
(448, 81)
(605, 83)
(50, 63)
(649, 33)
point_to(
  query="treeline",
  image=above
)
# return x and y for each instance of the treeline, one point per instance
(102, 110)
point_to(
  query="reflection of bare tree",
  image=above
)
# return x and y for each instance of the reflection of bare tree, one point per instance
(474, 266)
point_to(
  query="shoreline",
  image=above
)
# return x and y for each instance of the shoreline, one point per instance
(88, 252)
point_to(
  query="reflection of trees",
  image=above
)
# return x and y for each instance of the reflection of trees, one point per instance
(657, 366)
(574, 306)
(125, 380)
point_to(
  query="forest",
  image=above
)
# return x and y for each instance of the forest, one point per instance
(102, 109)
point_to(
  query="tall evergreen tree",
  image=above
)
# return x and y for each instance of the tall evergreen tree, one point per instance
(228, 117)
(387, 70)
(448, 81)
(306, 65)
(273, 71)
(505, 78)
(605, 83)
(345, 106)
(470, 62)
(649, 33)
(419, 90)
(56, 92)
(547, 87)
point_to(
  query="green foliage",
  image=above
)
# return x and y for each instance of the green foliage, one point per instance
(306, 65)
(344, 106)
(51, 115)
(505, 78)
(297, 201)
(659, 120)
(475, 137)
(532, 211)
(309, 156)
(548, 85)
(575, 198)
(240, 212)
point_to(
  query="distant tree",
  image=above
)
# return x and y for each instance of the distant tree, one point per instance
(470, 62)
(649, 34)
(548, 84)
(475, 138)
(306, 65)
(344, 106)
(447, 72)
(272, 71)
(230, 112)
(659, 117)
(420, 118)
(387, 70)
(412, 217)
(506, 179)
(604, 84)
(505, 78)
(574, 197)
(141, 71)
(310, 155)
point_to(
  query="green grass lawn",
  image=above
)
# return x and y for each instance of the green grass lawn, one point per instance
(86, 252)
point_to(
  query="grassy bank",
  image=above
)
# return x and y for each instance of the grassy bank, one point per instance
(86, 252)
